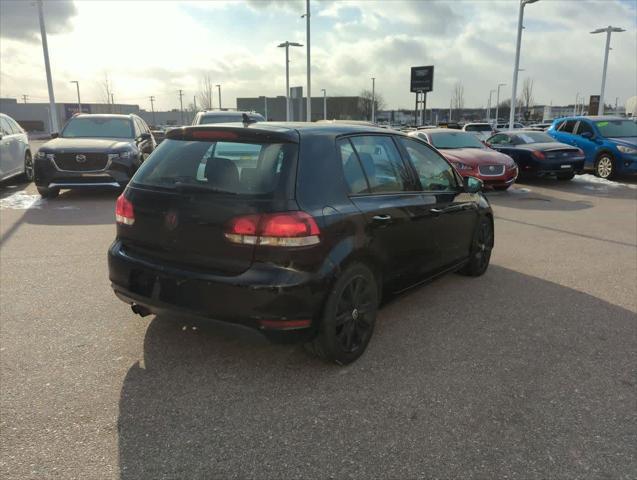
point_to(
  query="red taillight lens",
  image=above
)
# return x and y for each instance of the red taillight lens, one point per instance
(539, 155)
(124, 213)
(285, 229)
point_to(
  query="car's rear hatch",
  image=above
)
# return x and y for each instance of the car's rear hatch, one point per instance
(199, 179)
(558, 151)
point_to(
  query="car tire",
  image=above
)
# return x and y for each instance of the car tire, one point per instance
(605, 166)
(28, 174)
(349, 316)
(48, 192)
(481, 251)
(569, 176)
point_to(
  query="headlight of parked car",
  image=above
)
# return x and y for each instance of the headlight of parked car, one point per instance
(462, 166)
(43, 155)
(125, 155)
(629, 150)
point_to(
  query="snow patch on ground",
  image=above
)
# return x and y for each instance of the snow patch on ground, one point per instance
(592, 180)
(519, 190)
(21, 201)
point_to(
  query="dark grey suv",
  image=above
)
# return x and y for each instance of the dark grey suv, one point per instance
(93, 151)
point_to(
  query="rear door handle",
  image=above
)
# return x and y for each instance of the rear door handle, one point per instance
(381, 218)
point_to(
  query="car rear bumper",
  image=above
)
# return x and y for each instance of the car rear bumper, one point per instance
(116, 175)
(281, 302)
(552, 168)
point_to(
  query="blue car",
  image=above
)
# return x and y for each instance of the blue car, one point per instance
(609, 143)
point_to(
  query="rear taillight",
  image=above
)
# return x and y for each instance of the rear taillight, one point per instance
(284, 229)
(539, 155)
(124, 213)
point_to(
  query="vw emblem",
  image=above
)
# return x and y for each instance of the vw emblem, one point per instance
(80, 158)
(171, 220)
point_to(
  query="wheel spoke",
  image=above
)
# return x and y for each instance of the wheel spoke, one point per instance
(342, 318)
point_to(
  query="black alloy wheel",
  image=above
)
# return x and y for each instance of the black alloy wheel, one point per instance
(481, 255)
(349, 317)
(28, 167)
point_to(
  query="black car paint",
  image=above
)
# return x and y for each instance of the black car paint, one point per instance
(426, 234)
(522, 155)
(118, 171)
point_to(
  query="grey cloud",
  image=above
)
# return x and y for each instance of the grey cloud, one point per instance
(19, 18)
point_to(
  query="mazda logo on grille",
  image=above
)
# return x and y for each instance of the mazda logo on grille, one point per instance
(80, 158)
(171, 220)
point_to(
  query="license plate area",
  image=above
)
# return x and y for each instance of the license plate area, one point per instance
(566, 166)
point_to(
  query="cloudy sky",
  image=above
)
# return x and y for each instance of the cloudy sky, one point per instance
(156, 48)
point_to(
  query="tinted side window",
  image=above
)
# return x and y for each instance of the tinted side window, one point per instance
(354, 176)
(568, 126)
(138, 128)
(434, 172)
(584, 127)
(499, 139)
(382, 163)
(16, 128)
(5, 127)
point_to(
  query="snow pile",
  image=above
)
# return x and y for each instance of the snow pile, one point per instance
(21, 201)
(587, 178)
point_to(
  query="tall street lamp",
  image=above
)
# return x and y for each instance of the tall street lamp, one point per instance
(497, 103)
(287, 46)
(608, 31)
(324, 104)
(514, 85)
(373, 99)
(491, 92)
(575, 105)
(219, 89)
(79, 102)
(47, 66)
(309, 70)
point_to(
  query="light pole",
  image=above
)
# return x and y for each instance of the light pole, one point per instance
(608, 31)
(491, 92)
(219, 90)
(152, 107)
(373, 99)
(47, 66)
(287, 46)
(497, 103)
(309, 71)
(79, 102)
(514, 85)
(575, 106)
(324, 104)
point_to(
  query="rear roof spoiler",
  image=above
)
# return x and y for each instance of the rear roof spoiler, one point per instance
(239, 133)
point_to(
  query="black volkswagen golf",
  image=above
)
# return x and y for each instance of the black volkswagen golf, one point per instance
(297, 230)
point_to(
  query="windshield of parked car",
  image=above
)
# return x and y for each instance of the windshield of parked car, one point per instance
(617, 128)
(98, 127)
(450, 140)
(478, 127)
(228, 167)
(532, 137)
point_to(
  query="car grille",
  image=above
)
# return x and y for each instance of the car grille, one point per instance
(491, 170)
(81, 162)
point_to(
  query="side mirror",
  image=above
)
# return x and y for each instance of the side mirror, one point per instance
(144, 136)
(587, 135)
(472, 184)
(55, 135)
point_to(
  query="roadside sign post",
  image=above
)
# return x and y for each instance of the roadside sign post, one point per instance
(422, 81)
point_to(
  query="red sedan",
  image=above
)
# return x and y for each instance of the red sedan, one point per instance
(471, 157)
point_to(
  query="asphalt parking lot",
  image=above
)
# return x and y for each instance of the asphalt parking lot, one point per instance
(527, 372)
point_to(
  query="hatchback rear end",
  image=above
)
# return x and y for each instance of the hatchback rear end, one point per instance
(209, 226)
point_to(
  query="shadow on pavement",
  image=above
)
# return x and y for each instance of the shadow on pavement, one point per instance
(521, 378)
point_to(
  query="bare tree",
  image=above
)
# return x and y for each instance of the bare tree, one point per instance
(527, 93)
(107, 90)
(365, 103)
(458, 98)
(205, 92)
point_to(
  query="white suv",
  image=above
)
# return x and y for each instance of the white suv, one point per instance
(15, 153)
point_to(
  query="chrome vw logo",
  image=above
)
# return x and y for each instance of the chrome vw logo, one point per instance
(171, 220)
(80, 158)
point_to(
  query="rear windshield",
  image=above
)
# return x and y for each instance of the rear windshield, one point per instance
(532, 137)
(617, 128)
(485, 127)
(98, 127)
(227, 167)
(445, 140)
(209, 119)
